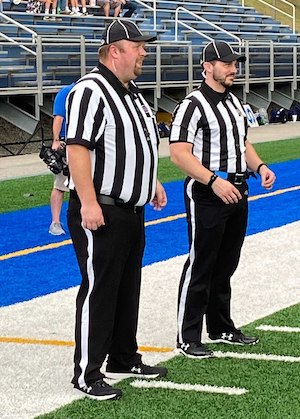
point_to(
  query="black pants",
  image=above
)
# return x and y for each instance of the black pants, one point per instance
(216, 234)
(110, 262)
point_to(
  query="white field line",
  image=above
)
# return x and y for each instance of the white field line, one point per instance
(257, 357)
(285, 329)
(169, 385)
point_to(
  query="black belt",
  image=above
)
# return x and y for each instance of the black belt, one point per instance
(235, 178)
(108, 200)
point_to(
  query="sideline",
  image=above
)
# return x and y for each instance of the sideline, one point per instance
(48, 342)
(25, 252)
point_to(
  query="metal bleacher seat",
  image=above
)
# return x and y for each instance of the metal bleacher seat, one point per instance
(62, 62)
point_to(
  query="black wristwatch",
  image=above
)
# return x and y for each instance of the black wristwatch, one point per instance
(212, 179)
(259, 166)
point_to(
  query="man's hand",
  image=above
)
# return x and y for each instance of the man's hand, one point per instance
(226, 191)
(267, 177)
(92, 216)
(56, 145)
(160, 199)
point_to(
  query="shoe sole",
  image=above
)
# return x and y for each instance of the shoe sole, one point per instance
(232, 343)
(181, 352)
(56, 234)
(124, 375)
(100, 398)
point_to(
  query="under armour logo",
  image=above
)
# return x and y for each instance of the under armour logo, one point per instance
(185, 346)
(136, 369)
(87, 389)
(227, 336)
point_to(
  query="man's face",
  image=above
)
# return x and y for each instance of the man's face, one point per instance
(223, 73)
(130, 59)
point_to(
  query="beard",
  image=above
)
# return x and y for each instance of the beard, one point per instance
(226, 81)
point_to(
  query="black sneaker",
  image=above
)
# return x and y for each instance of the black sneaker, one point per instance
(194, 350)
(141, 370)
(233, 338)
(100, 390)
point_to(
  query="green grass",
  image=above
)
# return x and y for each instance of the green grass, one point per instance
(273, 387)
(35, 191)
(278, 151)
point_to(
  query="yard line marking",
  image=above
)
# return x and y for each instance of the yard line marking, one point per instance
(257, 357)
(31, 341)
(169, 385)
(285, 329)
(156, 349)
(25, 252)
(274, 193)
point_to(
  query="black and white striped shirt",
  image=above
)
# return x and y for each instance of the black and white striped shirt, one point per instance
(118, 127)
(216, 125)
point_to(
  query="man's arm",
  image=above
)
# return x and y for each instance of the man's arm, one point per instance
(80, 169)
(56, 128)
(182, 156)
(254, 161)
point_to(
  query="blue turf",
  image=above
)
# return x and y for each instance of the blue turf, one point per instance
(26, 277)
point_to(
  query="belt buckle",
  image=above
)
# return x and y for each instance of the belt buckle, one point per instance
(239, 178)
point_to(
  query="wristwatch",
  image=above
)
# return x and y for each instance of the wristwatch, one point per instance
(212, 179)
(259, 166)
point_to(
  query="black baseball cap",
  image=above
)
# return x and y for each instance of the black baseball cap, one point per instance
(118, 30)
(221, 51)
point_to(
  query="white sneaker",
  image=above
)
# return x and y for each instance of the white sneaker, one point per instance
(56, 229)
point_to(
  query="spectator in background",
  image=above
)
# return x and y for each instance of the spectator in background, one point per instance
(49, 3)
(59, 134)
(63, 7)
(75, 8)
(34, 6)
(164, 130)
(130, 6)
(107, 5)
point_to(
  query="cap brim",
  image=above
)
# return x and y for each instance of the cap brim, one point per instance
(143, 38)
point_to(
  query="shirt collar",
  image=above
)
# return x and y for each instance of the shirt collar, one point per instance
(116, 83)
(216, 97)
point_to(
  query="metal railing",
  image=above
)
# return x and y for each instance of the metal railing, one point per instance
(167, 58)
(18, 25)
(199, 18)
(282, 12)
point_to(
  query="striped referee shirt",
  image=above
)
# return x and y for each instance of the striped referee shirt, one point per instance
(216, 124)
(118, 127)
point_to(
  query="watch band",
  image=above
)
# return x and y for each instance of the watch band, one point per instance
(259, 166)
(212, 179)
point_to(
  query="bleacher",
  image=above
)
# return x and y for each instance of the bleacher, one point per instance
(39, 56)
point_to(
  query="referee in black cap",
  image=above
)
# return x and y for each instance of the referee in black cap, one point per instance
(208, 141)
(112, 148)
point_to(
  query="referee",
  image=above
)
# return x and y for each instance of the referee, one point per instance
(208, 142)
(112, 148)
